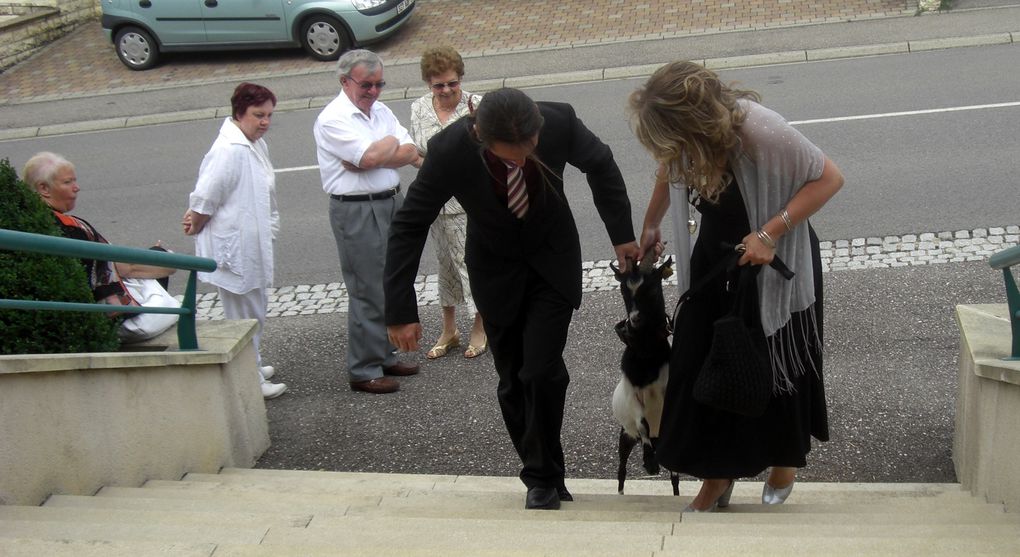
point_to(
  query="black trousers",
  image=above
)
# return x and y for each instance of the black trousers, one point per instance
(528, 355)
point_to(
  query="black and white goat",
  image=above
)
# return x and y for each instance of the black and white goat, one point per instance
(638, 398)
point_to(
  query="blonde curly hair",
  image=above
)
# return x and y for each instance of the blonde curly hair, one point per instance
(688, 119)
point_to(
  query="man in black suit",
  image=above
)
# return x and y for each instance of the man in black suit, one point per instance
(505, 166)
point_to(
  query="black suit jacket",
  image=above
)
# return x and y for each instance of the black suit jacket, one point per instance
(500, 248)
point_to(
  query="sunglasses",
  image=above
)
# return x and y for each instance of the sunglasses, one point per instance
(449, 84)
(367, 85)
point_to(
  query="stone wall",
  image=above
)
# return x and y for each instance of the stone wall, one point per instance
(986, 454)
(73, 423)
(27, 26)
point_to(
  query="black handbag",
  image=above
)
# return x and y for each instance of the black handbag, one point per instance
(736, 375)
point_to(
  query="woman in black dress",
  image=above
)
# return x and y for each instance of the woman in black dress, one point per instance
(755, 180)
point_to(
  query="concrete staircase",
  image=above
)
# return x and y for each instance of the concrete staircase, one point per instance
(241, 512)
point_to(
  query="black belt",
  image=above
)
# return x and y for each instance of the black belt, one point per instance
(367, 196)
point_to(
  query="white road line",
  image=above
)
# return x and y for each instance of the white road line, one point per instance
(296, 169)
(905, 113)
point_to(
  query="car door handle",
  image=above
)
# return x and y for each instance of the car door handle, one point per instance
(145, 4)
(211, 3)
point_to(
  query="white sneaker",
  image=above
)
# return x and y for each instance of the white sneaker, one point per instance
(273, 390)
(267, 372)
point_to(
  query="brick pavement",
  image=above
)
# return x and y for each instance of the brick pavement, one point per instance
(84, 64)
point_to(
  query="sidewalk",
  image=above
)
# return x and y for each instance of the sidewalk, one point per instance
(84, 63)
(77, 84)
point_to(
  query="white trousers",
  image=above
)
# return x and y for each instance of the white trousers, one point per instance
(250, 305)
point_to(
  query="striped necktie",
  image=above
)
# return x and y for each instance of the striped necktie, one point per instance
(516, 191)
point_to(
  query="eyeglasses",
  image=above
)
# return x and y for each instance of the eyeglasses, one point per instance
(367, 85)
(449, 84)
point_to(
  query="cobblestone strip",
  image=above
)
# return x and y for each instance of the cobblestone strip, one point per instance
(859, 253)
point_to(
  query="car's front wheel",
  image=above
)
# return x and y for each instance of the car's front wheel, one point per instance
(324, 38)
(136, 48)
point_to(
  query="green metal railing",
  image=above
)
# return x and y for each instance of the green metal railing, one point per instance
(80, 249)
(1004, 260)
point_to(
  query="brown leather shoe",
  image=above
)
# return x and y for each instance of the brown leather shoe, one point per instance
(401, 369)
(377, 386)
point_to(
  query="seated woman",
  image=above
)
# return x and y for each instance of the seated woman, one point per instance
(53, 178)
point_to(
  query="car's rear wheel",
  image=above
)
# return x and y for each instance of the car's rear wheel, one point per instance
(136, 48)
(324, 38)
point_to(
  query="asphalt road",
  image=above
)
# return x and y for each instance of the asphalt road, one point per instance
(905, 174)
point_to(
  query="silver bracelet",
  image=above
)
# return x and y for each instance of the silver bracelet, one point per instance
(765, 238)
(786, 220)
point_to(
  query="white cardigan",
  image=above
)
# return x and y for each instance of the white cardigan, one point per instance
(237, 187)
(772, 162)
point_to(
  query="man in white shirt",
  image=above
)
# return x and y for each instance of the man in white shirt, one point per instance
(360, 144)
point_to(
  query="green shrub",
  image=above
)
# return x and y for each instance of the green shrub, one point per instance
(31, 276)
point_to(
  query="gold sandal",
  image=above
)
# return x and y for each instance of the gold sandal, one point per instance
(441, 348)
(475, 351)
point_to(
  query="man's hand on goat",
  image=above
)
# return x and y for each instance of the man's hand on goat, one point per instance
(630, 250)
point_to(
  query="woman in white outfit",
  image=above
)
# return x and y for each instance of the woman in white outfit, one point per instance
(442, 69)
(235, 183)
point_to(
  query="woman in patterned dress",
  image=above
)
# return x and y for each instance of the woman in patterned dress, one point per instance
(442, 69)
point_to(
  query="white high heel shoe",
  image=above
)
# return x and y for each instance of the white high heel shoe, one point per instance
(775, 495)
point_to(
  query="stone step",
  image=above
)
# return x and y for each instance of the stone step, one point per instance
(481, 542)
(537, 526)
(217, 505)
(852, 528)
(740, 517)
(469, 535)
(306, 550)
(437, 535)
(131, 532)
(152, 516)
(406, 484)
(586, 507)
(463, 499)
(838, 545)
(463, 535)
(255, 513)
(18, 547)
(579, 485)
(128, 501)
(483, 508)
(213, 492)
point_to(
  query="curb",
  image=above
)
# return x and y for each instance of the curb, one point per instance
(585, 76)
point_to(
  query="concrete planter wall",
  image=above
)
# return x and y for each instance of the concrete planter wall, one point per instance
(73, 423)
(986, 443)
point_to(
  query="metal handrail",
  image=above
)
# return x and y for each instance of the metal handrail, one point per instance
(1004, 260)
(187, 338)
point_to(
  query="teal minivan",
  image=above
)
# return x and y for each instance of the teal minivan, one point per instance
(141, 30)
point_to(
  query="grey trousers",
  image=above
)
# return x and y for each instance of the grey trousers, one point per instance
(361, 229)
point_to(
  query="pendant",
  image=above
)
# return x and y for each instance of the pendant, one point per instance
(692, 225)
